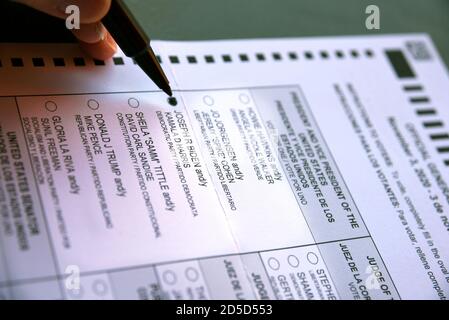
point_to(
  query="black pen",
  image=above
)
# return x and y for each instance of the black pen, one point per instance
(134, 43)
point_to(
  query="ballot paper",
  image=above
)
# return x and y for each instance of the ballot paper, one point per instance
(313, 168)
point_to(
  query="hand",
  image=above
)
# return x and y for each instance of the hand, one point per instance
(93, 37)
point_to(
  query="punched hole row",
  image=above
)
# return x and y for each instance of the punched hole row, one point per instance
(275, 56)
(192, 59)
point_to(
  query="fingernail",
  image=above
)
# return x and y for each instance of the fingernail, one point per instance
(101, 31)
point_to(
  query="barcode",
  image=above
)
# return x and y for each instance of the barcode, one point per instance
(418, 50)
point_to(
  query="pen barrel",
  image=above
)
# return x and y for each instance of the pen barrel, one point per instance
(125, 30)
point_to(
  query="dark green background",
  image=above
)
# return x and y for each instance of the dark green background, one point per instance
(231, 19)
(222, 19)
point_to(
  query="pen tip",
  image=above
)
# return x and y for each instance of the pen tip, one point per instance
(168, 91)
(150, 65)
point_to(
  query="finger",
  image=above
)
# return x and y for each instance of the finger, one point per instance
(90, 32)
(90, 10)
(102, 50)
